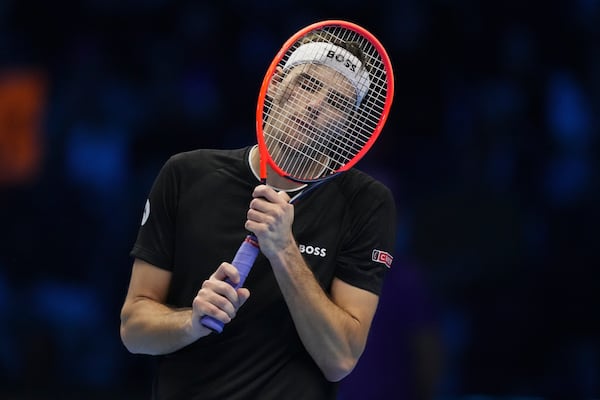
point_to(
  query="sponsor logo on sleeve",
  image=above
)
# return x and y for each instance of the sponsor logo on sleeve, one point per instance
(382, 257)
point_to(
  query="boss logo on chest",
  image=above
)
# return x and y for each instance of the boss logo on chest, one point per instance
(312, 250)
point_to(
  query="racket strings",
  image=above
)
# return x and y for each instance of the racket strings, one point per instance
(312, 132)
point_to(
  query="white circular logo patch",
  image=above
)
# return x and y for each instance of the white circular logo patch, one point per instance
(146, 212)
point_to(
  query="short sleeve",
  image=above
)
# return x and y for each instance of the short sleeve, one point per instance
(154, 243)
(367, 251)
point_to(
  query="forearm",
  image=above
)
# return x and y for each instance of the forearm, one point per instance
(333, 329)
(148, 327)
(332, 336)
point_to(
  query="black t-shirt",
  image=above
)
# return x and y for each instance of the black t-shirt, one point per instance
(194, 220)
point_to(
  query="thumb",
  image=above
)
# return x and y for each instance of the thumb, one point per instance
(243, 295)
(284, 196)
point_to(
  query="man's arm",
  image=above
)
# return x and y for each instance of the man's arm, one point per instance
(149, 326)
(333, 329)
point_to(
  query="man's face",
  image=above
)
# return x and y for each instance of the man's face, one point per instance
(309, 110)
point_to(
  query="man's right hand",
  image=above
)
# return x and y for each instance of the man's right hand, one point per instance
(217, 298)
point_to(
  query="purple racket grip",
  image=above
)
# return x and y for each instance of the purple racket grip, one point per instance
(243, 261)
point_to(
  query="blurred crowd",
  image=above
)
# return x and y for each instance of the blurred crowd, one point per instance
(491, 150)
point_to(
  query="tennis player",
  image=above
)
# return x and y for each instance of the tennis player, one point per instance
(301, 321)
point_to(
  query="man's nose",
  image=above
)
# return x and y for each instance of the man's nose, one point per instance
(315, 104)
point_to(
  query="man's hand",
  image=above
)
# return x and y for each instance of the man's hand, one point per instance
(217, 298)
(270, 218)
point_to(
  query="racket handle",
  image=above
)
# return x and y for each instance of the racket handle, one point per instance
(243, 261)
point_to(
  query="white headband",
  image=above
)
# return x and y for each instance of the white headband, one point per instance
(337, 58)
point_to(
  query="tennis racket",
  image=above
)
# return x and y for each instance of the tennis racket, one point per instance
(322, 104)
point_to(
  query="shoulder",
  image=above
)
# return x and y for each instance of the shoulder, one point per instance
(358, 186)
(206, 159)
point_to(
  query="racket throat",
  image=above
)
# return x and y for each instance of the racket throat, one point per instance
(279, 183)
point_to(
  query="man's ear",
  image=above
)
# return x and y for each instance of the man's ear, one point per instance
(274, 86)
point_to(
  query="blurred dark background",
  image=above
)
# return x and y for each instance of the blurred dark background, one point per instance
(491, 150)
